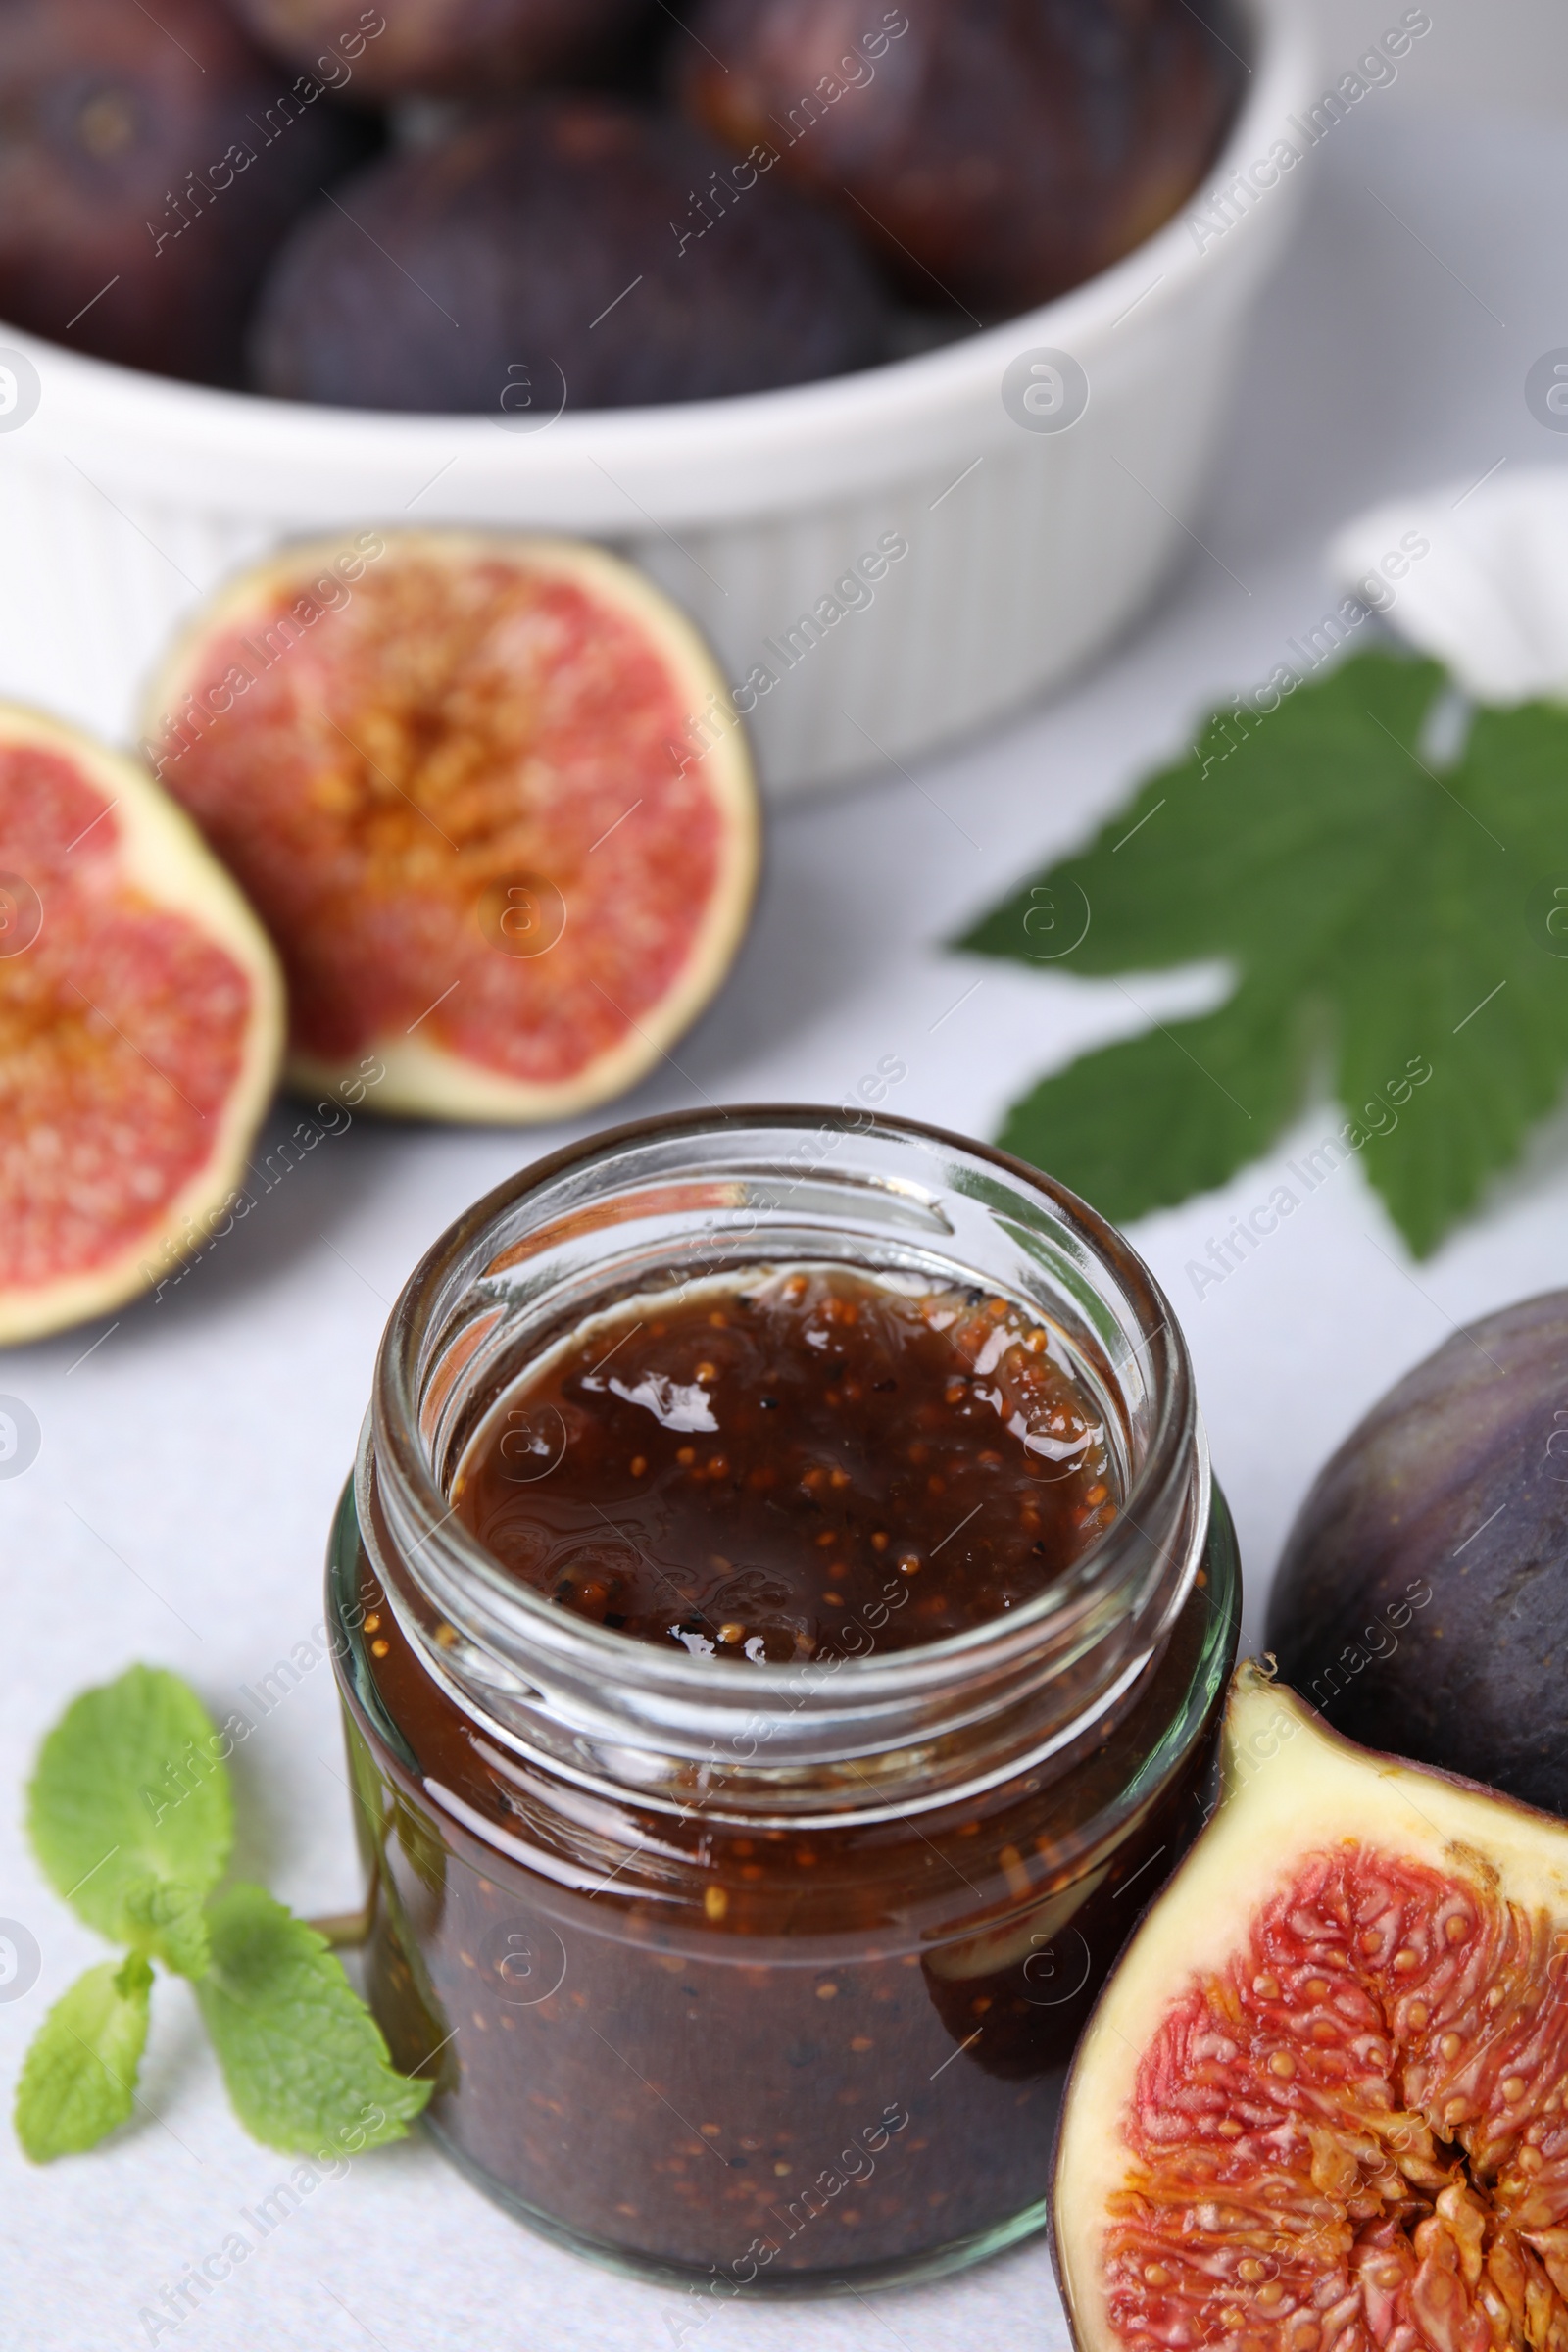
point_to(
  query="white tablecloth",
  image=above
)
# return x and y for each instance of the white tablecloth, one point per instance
(190, 1462)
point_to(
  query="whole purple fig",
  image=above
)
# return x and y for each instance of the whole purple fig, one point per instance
(1422, 1599)
(150, 161)
(998, 151)
(448, 48)
(568, 251)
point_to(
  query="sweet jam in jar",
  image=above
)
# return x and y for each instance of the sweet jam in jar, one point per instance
(785, 1613)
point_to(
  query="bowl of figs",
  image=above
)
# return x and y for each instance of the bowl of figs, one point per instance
(895, 341)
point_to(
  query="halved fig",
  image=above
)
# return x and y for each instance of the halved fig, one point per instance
(459, 778)
(1320, 2107)
(141, 1029)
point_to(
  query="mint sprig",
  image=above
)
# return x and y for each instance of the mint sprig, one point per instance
(79, 2079)
(298, 2047)
(131, 1816)
(130, 1796)
(1397, 922)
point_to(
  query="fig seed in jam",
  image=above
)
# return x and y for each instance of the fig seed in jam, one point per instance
(767, 1462)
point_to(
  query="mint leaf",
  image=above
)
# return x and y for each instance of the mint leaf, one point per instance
(131, 1813)
(167, 1919)
(79, 2075)
(303, 2058)
(1389, 921)
(128, 1789)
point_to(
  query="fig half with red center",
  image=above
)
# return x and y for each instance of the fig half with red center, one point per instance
(998, 151)
(1321, 2105)
(454, 776)
(141, 1027)
(446, 48)
(569, 252)
(150, 163)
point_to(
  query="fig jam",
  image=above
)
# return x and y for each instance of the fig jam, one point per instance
(775, 1680)
(758, 1469)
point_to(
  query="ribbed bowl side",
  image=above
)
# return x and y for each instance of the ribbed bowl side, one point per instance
(1023, 558)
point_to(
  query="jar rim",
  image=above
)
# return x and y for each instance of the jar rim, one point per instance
(1174, 1457)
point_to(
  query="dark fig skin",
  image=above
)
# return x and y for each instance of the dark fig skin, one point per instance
(551, 255)
(148, 170)
(1422, 1600)
(448, 48)
(1001, 150)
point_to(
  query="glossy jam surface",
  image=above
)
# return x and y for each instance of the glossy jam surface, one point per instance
(809, 1462)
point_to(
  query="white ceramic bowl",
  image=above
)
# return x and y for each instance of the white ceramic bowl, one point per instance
(127, 497)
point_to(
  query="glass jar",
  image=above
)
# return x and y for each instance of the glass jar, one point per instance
(766, 1978)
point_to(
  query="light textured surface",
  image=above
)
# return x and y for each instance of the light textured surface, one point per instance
(189, 1462)
(1504, 55)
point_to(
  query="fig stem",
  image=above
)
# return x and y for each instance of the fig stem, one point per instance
(344, 1930)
